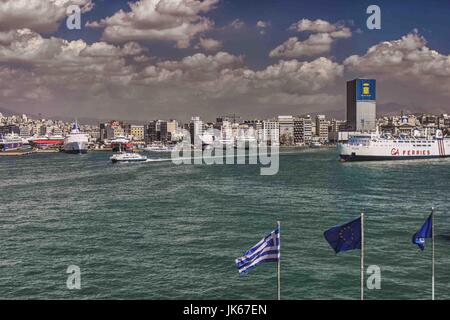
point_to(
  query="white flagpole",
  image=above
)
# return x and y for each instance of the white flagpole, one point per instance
(362, 255)
(279, 262)
(432, 254)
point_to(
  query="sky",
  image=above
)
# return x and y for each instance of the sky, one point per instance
(163, 59)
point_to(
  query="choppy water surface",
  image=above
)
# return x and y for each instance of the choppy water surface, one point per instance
(162, 231)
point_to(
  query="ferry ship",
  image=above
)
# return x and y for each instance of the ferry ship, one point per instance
(124, 156)
(121, 143)
(10, 142)
(47, 142)
(369, 147)
(128, 157)
(76, 142)
(159, 148)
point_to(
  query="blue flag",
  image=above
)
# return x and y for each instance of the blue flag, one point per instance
(424, 232)
(345, 237)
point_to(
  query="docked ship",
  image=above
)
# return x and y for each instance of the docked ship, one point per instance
(76, 142)
(47, 142)
(159, 148)
(10, 142)
(315, 144)
(375, 146)
(121, 143)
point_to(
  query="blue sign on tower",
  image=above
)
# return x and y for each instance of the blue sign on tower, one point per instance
(366, 90)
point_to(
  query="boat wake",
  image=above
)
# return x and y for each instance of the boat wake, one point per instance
(159, 160)
(188, 159)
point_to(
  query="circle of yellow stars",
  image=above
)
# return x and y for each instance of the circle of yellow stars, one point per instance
(346, 231)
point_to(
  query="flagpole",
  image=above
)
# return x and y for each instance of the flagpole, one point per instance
(362, 255)
(279, 262)
(432, 254)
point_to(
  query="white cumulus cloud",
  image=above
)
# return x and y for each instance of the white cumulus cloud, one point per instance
(38, 15)
(324, 34)
(168, 20)
(407, 71)
(209, 44)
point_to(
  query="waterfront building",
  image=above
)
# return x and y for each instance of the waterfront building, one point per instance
(25, 132)
(9, 128)
(429, 129)
(196, 128)
(321, 128)
(154, 131)
(226, 132)
(44, 130)
(335, 128)
(405, 128)
(446, 120)
(164, 134)
(137, 132)
(118, 131)
(168, 129)
(94, 133)
(259, 131)
(361, 105)
(113, 129)
(57, 131)
(126, 129)
(302, 130)
(286, 128)
(271, 131)
(255, 128)
(102, 131)
(109, 133)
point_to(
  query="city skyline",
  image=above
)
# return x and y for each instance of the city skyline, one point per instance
(288, 130)
(174, 58)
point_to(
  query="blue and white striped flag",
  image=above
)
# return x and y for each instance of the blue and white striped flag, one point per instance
(267, 250)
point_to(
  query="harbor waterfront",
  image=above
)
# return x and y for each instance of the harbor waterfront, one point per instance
(156, 230)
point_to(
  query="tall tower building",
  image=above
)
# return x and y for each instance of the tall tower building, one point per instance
(195, 128)
(361, 105)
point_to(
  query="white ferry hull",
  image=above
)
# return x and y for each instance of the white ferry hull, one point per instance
(75, 147)
(128, 161)
(394, 150)
(384, 158)
(128, 157)
(76, 142)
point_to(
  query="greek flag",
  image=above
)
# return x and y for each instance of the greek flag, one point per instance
(267, 250)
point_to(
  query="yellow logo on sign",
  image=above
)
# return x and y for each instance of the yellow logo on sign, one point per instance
(366, 89)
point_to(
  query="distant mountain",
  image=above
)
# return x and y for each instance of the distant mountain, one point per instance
(6, 112)
(94, 121)
(88, 121)
(387, 109)
(82, 120)
(332, 114)
(393, 109)
(384, 110)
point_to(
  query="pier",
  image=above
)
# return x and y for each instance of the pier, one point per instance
(14, 153)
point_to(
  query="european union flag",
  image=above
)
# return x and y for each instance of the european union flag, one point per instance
(345, 237)
(424, 232)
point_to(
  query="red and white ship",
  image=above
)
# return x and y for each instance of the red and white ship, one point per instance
(47, 142)
(368, 147)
